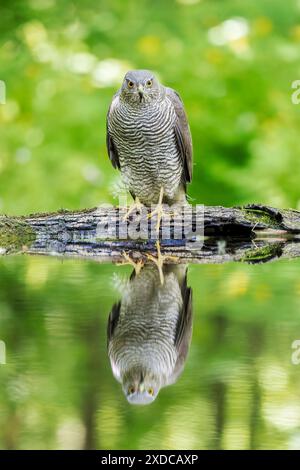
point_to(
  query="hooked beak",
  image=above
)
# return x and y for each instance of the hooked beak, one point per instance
(142, 387)
(141, 91)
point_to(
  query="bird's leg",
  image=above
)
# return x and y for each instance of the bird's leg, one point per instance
(137, 265)
(159, 261)
(135, 207)
(159, 210)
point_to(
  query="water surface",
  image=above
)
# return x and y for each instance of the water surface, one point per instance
(239, 388)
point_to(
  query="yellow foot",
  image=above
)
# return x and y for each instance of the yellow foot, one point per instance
(137, 265)
(159, 261)
(159, 210)
(135, 207)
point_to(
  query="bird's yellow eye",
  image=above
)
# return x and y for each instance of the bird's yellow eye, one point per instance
(131, 390)
(130, 84)
(149, 83)
(151, 391)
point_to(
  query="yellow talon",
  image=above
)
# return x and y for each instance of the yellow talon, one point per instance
(159, 210)
(137, 265)
(159, 261)
(137, 206)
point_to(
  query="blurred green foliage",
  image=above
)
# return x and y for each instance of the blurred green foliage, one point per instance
(233, 61)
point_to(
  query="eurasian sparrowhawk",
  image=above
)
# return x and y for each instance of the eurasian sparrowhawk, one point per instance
(149, 140)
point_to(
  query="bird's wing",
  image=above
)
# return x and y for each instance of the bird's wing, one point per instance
(113, 320)
(111, 326)
(111, 148)
(182, 134)
(183, 331)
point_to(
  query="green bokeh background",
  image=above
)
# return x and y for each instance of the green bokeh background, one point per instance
(61, 62)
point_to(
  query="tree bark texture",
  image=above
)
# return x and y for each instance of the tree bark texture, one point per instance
(212, 234)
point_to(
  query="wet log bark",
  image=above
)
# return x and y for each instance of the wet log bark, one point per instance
(210, 234)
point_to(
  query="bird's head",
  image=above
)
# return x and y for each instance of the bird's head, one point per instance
(140, 387)
(140, 87)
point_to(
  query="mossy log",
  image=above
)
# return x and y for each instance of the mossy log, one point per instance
(214, 234)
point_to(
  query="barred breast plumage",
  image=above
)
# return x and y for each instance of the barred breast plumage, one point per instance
(149, 331)
(148, 139)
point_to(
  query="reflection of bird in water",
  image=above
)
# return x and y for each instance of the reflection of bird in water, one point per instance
(149, 332)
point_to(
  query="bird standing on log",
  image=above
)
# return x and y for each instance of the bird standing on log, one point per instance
(149, 140)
